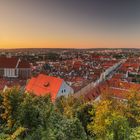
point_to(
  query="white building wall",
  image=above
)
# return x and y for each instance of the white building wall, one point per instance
(9, 73)
(65, 90)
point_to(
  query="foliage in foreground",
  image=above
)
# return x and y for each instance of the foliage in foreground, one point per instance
(27, 117)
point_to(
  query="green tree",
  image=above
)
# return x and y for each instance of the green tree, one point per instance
(68, 106)
(135, 134)
(132, 110)
(84, 116)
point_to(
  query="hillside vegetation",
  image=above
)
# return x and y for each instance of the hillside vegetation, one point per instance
(27, 117)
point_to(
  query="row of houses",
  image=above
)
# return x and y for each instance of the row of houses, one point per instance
(13, 69)
(42, 84)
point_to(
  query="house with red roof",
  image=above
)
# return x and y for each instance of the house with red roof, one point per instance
(77, 65)
(43, 85)
(13, 67)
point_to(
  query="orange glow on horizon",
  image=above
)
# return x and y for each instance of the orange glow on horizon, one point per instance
(68, 43)
(46, 24)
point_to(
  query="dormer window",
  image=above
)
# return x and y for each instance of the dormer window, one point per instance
(46, 84)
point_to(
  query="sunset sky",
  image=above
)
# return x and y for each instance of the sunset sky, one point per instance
(69, 23)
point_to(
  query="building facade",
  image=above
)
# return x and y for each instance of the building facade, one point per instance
(13, 67)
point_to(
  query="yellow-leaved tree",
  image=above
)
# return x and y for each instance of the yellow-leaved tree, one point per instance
(107, 122)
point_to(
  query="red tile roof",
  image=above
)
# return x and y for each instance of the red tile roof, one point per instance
(11, 62)
(23, 64)
(77, 64)
(11, 83)
(118, 76)
(119, 93)
(43, 85)
(6, 62)
(117, 83)
(118, 88)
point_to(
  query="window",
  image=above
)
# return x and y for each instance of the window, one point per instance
(63, 91)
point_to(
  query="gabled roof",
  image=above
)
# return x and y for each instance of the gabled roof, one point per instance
(23, 64)
(10, 62)
(43, 85)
